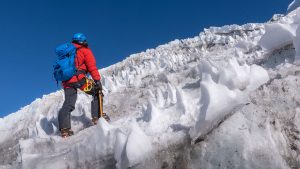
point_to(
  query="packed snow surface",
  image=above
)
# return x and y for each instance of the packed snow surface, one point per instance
(172, 99)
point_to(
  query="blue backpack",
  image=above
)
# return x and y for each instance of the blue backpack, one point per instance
(64, 67)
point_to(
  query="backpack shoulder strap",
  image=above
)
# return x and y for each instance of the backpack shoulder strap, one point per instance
(76, 60)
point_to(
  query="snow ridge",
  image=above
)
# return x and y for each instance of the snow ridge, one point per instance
(294, 5)
(157, 99)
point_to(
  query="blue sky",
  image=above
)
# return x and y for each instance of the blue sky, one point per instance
(31, 29)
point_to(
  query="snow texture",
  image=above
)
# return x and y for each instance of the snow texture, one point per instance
(223, 99)
(294, 5)
(282, 32)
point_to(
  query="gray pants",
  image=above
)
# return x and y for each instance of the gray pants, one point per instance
(69, 105)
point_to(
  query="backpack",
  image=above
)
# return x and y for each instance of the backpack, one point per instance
(64, 67)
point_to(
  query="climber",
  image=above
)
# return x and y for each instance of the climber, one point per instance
(83, 62)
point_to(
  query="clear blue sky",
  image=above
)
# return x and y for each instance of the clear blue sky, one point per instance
(31, 29)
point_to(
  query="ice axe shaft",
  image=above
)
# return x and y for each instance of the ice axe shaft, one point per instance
(100, 95)
(101, 113)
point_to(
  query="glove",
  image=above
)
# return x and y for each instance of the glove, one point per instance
(98, 85)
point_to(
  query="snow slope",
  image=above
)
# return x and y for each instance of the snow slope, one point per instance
(223, 99)
(294, 5)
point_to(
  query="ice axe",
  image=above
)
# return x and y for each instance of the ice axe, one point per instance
(101, 113)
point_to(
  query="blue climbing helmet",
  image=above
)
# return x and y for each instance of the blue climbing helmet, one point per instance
(79, 38)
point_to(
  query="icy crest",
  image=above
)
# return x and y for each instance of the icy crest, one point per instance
(156, 99)
(294, 5)
(282, 32)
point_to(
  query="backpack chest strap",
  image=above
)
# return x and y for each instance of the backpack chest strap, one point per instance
(78, 72)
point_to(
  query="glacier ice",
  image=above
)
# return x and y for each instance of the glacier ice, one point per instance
(164, 99)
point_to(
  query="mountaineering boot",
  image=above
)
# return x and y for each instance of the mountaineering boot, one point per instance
(95, 120)
(66, 132)
(106, 117)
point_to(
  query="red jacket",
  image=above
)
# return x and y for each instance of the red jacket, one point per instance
(84, 60)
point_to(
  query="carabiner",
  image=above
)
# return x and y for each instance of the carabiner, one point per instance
(89, 85)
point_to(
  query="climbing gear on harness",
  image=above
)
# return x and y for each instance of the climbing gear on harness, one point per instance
(66, 132)
(89, 84)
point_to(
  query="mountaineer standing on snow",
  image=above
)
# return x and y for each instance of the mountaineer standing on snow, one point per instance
(75, 60)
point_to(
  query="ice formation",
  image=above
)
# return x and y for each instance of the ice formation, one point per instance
(174, 99)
